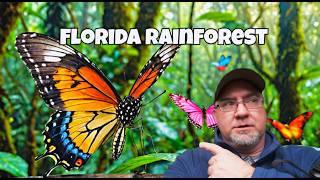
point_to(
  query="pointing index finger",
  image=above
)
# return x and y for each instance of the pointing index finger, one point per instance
(213, 148)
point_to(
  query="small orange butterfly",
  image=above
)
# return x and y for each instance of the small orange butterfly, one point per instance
(294, 130)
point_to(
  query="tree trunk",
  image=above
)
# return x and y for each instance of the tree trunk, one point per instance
(84, 22)
(189, 85)
(147, 18)
(8, 15)
(290, 43)
(117, 15)
(56, 18)
(31, 145)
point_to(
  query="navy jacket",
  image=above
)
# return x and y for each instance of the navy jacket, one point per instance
(276, 160)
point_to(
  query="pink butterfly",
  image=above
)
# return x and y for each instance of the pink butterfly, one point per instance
(195, 114)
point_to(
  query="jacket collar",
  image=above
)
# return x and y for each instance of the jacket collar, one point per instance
(271, 144)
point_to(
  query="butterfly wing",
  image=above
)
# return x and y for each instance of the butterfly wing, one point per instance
(84, 98)
(71, 137)
(153, 70)
(224, 61)
(296, 125)
(215, 64)
(211, 121)
(300, 120)
(284, 131)
(66, 79)
(195, 114)
(222, 58)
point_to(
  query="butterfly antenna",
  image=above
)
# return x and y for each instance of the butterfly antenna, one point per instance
(150, 137)
(135, 121)
(154, 98)
(141, 138)
(142, 143)
(133, 143)
(153, 146)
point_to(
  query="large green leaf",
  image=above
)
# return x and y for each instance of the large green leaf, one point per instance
(143, 160)
(13, 164)
(217, 16)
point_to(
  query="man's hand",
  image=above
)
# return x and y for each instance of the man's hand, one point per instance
(226, 164)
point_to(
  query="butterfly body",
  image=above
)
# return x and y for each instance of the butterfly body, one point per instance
(204, 113)
(294, 130)
(128, 109)
(221, 68)
(196, 115)
(126, 112)
(88, 109)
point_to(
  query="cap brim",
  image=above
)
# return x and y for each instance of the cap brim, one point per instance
(240, 74)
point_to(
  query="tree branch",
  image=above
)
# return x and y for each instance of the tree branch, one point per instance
(73, 17)
(178, 14)
(261, 10)
(258, 67)
(273, 56)
(251, 55)
(31, 140)
(189, 84)
(24, 24)
(208, 52)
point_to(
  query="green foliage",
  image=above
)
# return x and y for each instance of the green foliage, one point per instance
(217, 16)
(143, 160)
(235, 25)
(161, 128)
(311, 73)
(13, 164)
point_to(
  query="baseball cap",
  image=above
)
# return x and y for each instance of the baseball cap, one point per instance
(243, 74)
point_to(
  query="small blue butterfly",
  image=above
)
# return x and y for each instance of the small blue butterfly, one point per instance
(222, 63)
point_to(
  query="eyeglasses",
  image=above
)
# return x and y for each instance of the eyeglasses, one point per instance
(231, 105)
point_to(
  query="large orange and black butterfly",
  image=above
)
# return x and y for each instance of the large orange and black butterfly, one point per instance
(294, 130)
(88, 108)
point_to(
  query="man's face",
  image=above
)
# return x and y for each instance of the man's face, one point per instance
(242, 126)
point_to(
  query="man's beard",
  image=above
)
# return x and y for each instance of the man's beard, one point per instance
(245, 138)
